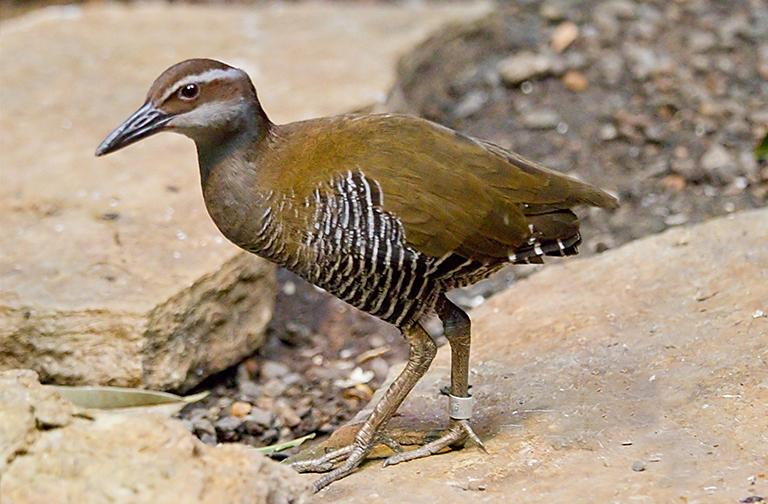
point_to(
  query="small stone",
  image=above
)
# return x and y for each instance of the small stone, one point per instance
(225, 426)
(553, 10)
(675, 219)
(608, 132)
(240, 409)
(564, 35)
(273, 369)
(541, 119)
(249, 390)
(674, 182)
(289, 416)
(575, 81)
(638, 466)
(477, 486)
(762, 63)
(471, 104)
(523, 66)
(380, 367)
(258, 417)
(201, 425)
(719, 163)
(701, 41)
(645, 62)
(612, 68)
(274, 387)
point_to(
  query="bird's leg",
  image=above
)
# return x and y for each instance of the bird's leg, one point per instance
(457, 330)
(421, 352)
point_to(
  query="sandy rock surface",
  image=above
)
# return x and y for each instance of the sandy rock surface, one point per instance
(110, 270)
(52, 452)
(638, 375)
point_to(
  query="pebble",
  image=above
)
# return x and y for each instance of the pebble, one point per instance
(471, 104)
(273, 369)
(674, 182)
(612, 68)
(258, 417)
(240, 409)
(645, 62)
(541, 119)
(274, 387)
(228, 423)
(249, 390)
(564, 35)
(288, 415)
(553, 10)
(380, 367)
(523, 66)
(608, 132)
(701, 41)
(638, 466)
(719, 163)
(575, 81)
(202, 425)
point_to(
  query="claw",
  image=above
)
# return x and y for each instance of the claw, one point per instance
(324, 463)
(459, 431)
(356, 456)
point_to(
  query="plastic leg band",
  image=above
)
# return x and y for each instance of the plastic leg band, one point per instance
(460, 408)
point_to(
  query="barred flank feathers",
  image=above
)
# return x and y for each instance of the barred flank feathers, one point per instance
(533, 253)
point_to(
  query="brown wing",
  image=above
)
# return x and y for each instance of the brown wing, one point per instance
(451, 192)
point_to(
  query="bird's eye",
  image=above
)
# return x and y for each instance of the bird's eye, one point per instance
(189, 92)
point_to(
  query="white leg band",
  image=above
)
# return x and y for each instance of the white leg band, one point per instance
(460, 408)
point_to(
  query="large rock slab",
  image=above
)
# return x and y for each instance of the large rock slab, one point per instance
(638, 375)
(110, 270)
(51, 453)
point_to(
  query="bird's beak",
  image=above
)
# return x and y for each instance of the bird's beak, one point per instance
(146, 121)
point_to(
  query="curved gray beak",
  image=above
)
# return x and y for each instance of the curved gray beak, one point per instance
(144, 122)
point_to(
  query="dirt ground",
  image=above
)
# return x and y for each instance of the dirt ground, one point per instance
(661, 102)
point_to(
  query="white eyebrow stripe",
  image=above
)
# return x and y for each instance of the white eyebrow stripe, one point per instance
(202, 78)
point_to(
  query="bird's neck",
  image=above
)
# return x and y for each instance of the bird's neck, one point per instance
(237, 140)
(231, 171)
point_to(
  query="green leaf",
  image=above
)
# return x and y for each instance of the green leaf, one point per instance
(108, 398)
(284, 446)
(761, 151)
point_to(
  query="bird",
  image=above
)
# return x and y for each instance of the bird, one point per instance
(388, 212)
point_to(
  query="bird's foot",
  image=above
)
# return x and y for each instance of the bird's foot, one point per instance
(456, 435)
(352, 455)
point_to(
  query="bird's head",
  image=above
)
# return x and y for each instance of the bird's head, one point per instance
(201, 98)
